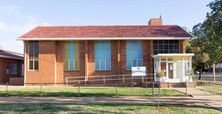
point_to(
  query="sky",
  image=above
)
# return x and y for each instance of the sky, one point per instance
(20, 16)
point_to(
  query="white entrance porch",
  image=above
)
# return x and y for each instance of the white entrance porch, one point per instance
(173, 67)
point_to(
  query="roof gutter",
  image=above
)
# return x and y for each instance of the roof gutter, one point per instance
(104, 38)
(9, 57)
(174, 55)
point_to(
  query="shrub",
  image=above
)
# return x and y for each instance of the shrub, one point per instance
(160, 74)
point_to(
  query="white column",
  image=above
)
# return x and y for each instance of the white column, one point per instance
(190, 63)
(167, 73)
(183, 71)
(191, 70)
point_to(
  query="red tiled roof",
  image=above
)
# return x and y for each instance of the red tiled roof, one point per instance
(10, 55)
(106, 31)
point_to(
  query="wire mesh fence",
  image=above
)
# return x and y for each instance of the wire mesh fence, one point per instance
(79, 91)
(103, 91)
(103, 85)
(100, 86)
(209, 83)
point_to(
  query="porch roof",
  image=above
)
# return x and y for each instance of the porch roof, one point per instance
(174, 55)
(11, 55)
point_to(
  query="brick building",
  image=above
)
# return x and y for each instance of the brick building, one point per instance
(53, 53)
(11, 67)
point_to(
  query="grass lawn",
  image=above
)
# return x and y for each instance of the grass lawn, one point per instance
(210, 87)
(22, 91)
(106, 108)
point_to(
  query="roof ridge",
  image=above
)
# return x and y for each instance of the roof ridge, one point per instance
(106, 31)
(105, 26)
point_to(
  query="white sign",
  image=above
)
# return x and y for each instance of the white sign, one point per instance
(138, 71)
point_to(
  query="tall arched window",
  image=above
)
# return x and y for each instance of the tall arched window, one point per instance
(71, 59)
(134, 54)
(102, 55)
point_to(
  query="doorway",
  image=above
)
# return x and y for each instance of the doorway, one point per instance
(171, 70)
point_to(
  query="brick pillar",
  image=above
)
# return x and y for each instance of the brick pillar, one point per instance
(60, 78)
(181, 46)
(86, 60)
(145, 48)
(91, 62)
(118, 57)
(122, 57)
(151, 62)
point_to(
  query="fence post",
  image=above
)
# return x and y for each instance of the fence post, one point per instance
(85, 83)
(205, 84)
(159, 97)
(79, 89)
(186, 89)
(6, 89)
(153, 89)
(41, 89)
(116, 88)
(123, 79)
(131, 81)
(104, 81)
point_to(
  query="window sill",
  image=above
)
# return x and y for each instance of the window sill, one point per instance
(71, 70)
(33, 70)
(13, 74)
(102, 70)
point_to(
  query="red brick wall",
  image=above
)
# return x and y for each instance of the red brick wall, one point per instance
(147, 57)
(47, 60)
(155, 22)
(16, 81)
(4, 64)
(51, 53)
(59, 62)
(182, 46)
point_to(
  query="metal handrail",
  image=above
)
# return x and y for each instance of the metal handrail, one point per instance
(106, 78)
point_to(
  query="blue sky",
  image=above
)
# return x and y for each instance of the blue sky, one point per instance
(20, 16)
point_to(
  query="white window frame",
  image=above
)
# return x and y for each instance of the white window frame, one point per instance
(100, 64)
(33, 59)
(74, 62)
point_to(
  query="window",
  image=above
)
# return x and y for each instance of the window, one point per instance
(71, 59)
(102, 55)
(134, 55)
(33, 55)
(163, 67)
(165, 46)
(14, 69)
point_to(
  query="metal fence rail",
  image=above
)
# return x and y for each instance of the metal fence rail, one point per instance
(209, 84)
(108, 79)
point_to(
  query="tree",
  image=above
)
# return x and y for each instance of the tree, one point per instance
(213, 30)
(207, 40)
(197, 46)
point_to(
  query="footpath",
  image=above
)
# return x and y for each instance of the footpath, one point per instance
(203, 97)
(198, 98)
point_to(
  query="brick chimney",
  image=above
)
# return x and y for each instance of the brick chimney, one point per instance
(155, 21)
